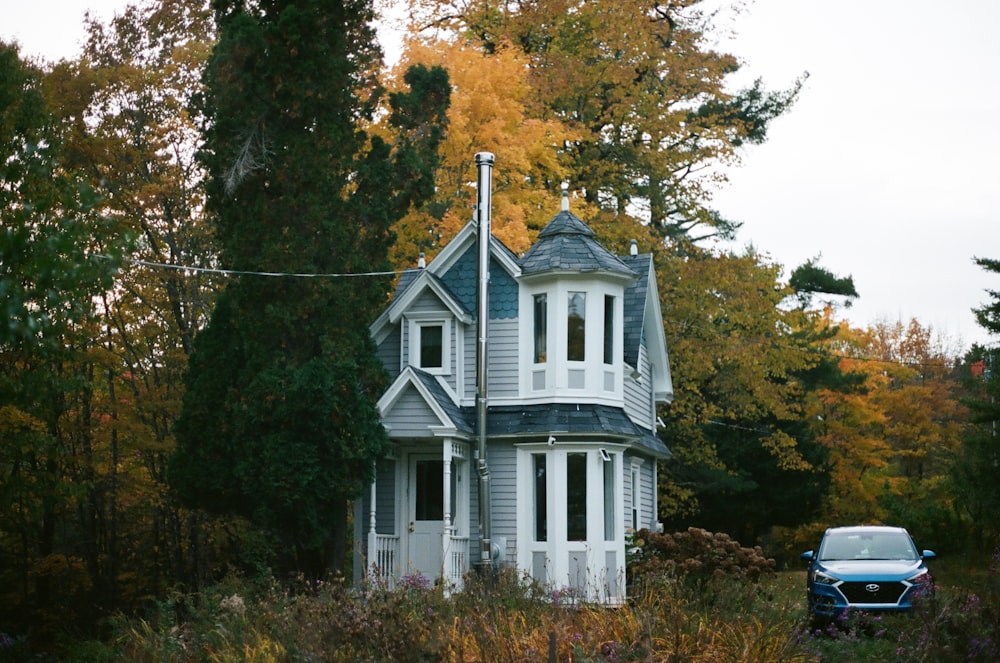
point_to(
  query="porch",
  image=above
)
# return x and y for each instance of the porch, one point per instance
(418, 516)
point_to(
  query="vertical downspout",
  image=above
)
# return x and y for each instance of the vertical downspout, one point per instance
(484, 163)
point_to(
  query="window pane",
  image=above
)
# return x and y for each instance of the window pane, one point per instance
(541, 328)
(541, 499)
(609, 499)
(576, 326)
(609, 329)
(576, 497)
(430, 490)
(431, 347)
(636, 496)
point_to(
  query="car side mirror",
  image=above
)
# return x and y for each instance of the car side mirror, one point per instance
(928, 554)
(807, 556)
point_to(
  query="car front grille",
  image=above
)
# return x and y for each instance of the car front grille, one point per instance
(873, 592)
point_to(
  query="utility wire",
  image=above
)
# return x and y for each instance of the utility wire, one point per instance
(241, 272)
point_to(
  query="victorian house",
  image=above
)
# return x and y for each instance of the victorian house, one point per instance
(525, 437)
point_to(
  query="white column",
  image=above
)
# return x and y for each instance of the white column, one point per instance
(372, 543)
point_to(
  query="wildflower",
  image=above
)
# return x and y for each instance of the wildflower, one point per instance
(233, 604)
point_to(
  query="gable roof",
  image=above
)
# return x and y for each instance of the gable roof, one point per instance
(416, 285)
(567, 244)
(435, 396)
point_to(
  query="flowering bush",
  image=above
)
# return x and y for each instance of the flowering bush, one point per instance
(696, 554)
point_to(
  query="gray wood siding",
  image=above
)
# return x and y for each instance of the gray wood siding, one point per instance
(389, 350)
(427, 302)
(469, 357)
(639, 395)
(410, 416)
(647, 519)
(503, 364)
(503, 482)
(502, 461)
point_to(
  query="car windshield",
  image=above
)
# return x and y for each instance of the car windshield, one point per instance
(867, 545)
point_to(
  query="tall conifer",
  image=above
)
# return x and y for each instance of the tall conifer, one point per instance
(279, 423)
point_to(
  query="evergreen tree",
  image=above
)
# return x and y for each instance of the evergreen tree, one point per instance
(976, 469)
(279, 422)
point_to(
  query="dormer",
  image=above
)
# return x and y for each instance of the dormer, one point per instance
(573, 298)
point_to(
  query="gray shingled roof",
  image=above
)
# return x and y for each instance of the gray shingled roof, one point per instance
(457, 415)
(569, 418)
(407, 278)
(635, 305)
(566, 243)
(545, 419)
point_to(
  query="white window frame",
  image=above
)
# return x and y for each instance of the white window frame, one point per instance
(416, 323)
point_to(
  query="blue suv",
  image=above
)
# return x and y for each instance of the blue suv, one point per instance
(869, 567)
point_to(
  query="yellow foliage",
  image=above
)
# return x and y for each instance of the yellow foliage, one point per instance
(490, 112)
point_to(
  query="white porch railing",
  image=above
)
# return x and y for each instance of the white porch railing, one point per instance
(456, 561)
(383, 555)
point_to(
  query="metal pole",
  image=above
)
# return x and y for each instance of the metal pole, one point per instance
(484, 163)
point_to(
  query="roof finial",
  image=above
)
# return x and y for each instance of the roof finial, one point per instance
(565, 196)
(634, 249)
(421, 262)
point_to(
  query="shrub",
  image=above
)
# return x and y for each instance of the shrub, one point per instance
(696, 555)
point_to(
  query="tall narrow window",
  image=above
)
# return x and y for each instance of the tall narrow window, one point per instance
(576, 497)
(636, 498)
(576, 326)
(431, 346)
(541, 499)
(541, 328)
(609, 329)
(609, 498)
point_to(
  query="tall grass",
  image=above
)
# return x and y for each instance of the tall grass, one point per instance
(670, 617)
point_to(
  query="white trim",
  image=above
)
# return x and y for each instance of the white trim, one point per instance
(557, 550)
(416, 321)
(398, 387)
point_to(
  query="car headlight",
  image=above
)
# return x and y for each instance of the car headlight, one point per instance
(824, 578)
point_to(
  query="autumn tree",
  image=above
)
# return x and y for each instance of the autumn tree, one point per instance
(894, 432)
(279, 422)
(745, 459)
(491, 110)
(57, 254)
(644, 95)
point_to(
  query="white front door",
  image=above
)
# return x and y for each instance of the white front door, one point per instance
(426, 516)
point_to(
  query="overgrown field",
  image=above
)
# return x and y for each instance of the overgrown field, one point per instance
(712, 610)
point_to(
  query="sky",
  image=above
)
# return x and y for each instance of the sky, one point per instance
(887, 168)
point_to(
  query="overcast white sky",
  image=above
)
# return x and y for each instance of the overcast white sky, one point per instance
(887, 167)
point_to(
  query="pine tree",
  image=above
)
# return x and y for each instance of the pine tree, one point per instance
(279, 423)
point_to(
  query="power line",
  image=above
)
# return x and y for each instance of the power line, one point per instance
(243, 272)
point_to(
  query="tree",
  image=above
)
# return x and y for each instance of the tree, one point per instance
(975, 470)
(893, 431)
(644, 96)
(57, 255)
(490, 111)
(810, 279)
(745, 459)
(279, 422)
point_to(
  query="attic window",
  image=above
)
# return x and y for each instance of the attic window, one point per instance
(431, 346)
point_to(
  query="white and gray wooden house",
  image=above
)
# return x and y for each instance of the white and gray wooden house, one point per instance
(576, 365)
